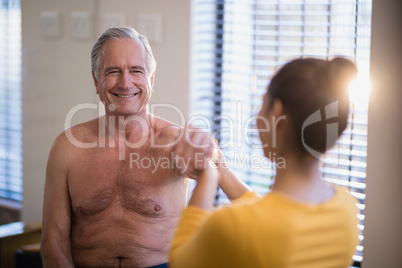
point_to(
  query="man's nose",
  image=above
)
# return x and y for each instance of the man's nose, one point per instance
(126, 81)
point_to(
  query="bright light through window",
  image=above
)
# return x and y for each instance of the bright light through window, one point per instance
(359, 89)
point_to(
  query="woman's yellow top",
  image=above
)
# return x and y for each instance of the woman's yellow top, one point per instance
(270, 231)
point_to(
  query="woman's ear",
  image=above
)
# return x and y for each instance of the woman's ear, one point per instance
(277, 109)
(277, 116)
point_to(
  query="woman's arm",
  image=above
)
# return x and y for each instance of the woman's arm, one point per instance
(194, 151)
(232, 186)
(203, 239)
(205, 191)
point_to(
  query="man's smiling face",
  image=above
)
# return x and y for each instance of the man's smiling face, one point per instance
(124, 84)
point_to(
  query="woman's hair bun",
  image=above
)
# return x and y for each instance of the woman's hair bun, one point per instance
(308, 85)
(340, 72)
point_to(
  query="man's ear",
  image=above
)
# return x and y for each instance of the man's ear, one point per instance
(95, 82)
(151, 80)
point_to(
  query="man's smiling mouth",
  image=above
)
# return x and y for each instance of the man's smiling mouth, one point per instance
(125, 96)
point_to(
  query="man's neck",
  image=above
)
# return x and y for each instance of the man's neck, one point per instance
(126, 128)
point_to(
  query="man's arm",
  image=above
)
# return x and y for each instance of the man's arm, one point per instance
(56, 222)
(198, 149)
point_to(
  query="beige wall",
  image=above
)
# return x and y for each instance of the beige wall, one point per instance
(56, 75)
(383, 223)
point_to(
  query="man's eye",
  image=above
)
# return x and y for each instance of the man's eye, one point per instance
(112, 72)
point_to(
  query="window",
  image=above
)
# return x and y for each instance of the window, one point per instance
(10, 101)
(237, 45)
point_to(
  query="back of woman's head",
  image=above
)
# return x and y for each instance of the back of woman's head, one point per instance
(314, 94)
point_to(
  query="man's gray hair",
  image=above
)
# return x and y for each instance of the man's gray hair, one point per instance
(121, 33)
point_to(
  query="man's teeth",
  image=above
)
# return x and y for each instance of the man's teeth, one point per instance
(126, 96)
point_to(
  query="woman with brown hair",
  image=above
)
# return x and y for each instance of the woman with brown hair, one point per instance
(304, 221)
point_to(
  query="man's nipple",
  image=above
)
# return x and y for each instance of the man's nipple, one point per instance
(157, 208)
(80, 211)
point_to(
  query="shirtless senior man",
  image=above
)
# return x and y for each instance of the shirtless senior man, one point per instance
(100, 208)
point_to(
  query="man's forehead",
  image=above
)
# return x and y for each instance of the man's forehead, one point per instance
(114, 41)
(118, 49)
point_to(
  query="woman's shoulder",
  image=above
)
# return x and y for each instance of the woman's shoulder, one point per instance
(240, 211)
(344, 194)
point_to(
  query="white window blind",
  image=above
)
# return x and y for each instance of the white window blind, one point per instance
(236, 47)
(10, 101)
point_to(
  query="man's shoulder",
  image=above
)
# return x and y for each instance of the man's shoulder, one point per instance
(161, 123)
(166, 129)
(78, 135)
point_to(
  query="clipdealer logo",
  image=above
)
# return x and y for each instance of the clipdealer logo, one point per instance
(331, 111)
(238, 130)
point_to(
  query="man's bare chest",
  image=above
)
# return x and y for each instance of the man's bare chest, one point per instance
(99, 183)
